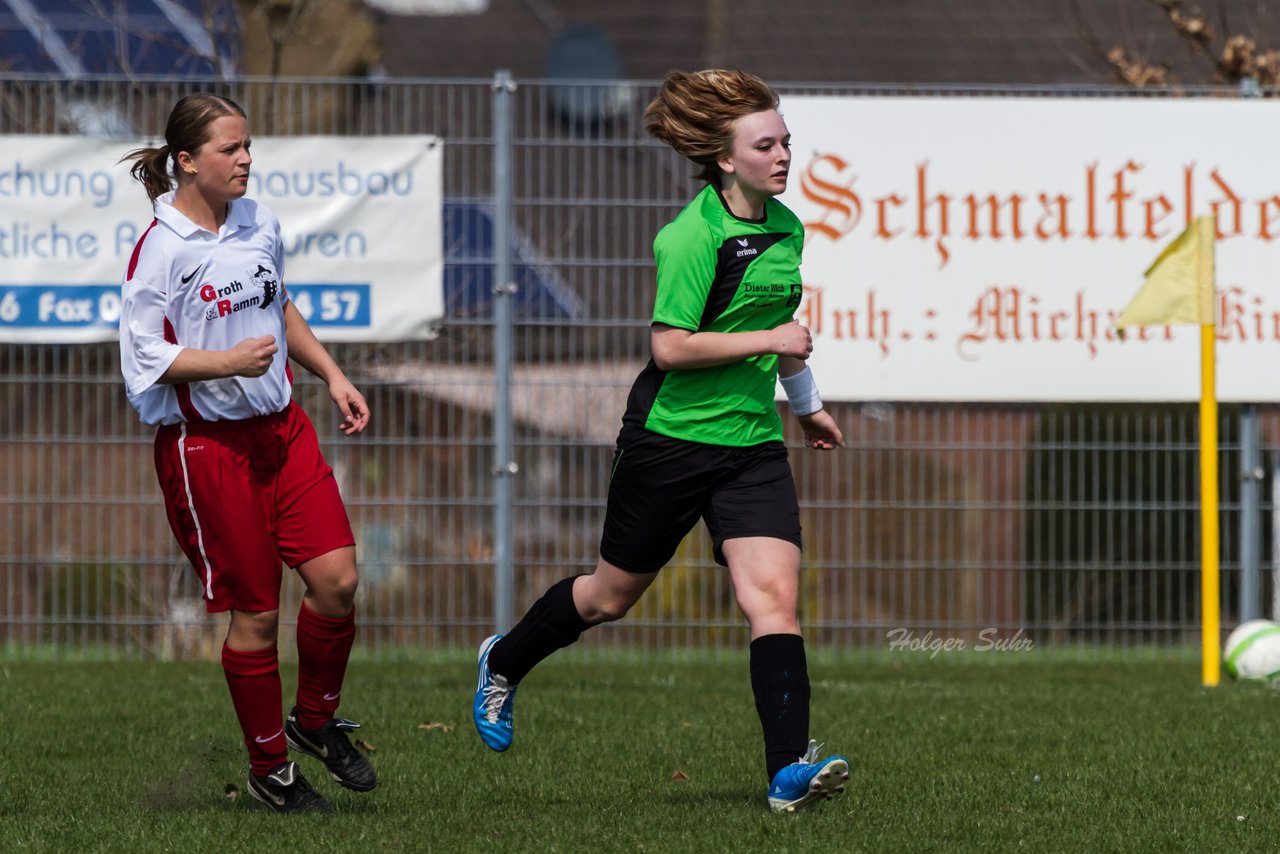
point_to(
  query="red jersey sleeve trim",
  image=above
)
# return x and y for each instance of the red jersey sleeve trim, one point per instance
(137, 249)
(182, 390)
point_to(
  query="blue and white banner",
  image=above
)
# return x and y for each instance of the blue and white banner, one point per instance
(361, 219)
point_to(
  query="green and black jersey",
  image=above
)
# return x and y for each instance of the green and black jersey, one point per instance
(720, 273)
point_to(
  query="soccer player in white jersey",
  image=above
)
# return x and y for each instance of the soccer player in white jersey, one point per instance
(206, 332)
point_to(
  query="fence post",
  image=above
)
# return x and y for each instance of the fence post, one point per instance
(504, 468)
(1251, 476)
(1250, 515)
(1275, 537)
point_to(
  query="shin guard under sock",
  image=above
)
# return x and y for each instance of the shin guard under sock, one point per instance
(551, 623)
(254, 680)
(324, 647)
(780, 682)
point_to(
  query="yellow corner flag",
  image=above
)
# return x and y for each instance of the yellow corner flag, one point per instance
(1179, 285)
(1180, 289)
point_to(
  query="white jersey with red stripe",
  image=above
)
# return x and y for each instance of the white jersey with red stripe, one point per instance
(188, 287)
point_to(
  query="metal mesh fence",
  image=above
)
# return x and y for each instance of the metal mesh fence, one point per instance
(1073, 525)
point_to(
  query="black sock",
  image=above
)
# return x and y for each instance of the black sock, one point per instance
(551, 623)
(780, 682)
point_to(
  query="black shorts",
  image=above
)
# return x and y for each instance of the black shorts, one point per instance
(660, 486)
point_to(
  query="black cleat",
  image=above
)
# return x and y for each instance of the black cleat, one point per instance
(329, 744)
(284, 789)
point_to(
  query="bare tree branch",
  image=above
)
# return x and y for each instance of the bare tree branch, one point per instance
(1086, 32)
(1122, 66)
(1224, 26)
(1230, 56)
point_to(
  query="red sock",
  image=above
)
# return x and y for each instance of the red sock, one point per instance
(324, 645)
(254, 680)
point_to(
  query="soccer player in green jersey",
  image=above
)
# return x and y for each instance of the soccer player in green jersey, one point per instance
(701, 437)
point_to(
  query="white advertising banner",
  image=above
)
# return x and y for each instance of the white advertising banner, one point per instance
(981, 249)
(360, 218)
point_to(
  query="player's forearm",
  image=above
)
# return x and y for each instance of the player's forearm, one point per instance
(306, 349)
(789, 366)
(193, 365)
(680, 348)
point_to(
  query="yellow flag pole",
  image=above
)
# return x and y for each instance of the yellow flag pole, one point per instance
(1179, 288)
(1210, 600)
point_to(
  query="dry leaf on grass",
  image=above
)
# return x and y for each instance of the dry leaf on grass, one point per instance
(440, 725)
(365, 746)
(679, 776)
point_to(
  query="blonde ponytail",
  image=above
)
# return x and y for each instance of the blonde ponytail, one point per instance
(152, 169)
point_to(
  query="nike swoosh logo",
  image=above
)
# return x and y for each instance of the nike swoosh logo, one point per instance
(191, 275)
(333, 696)
(279, 801)
(262, 740)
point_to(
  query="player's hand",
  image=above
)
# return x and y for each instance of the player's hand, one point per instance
(252, 357)
(820, 431)
(355, 412)
(792, 339)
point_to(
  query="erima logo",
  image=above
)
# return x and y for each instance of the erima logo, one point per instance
(742, 253)
(742, 241)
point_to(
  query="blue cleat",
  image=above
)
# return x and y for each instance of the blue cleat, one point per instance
(491, 710)
(808, 781)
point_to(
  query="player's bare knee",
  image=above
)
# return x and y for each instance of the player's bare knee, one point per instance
(616, 610)
(253, 629)
(339, 591)
(764, 610)
(347, 584)
(606, 611)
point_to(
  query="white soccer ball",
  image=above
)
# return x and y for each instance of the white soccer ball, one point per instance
(1253, 651)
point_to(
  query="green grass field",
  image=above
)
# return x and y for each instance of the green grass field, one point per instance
(949, 754)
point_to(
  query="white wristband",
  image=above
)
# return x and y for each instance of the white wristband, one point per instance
(802, 392)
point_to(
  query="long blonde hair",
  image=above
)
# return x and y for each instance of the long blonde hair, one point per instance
(694, 113)
(186, 130)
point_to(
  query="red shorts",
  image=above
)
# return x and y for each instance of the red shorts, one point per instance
(244, 495)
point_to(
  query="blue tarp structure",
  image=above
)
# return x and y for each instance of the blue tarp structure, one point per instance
(468, 270)
(75, 37)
